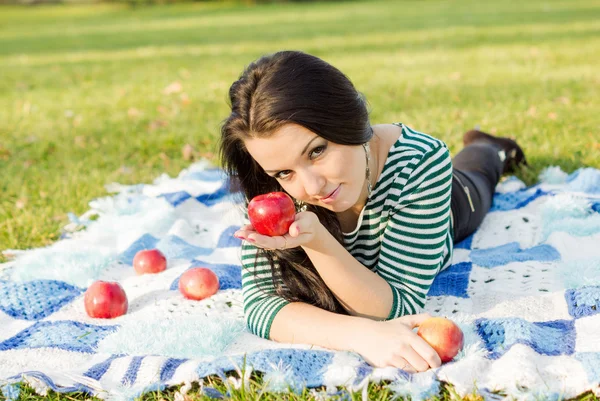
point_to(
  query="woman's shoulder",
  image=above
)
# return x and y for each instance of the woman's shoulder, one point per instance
(412, 152)
(408, 152)
(406, 148)
(414, 141)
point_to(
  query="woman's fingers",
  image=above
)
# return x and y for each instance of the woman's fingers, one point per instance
(302, 224)
(266, 242)
(300, 231)
(427, 353)
(244, 231)
(419, 353)
(294, 230)
(414, 359)
(413, 321)
(401, 363)
(247, 233)
(259, 239)
(282, 242)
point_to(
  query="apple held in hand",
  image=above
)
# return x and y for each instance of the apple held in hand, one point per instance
(198, 283)
(149, 261)
(272, 214)
(444, 336)
(105, 300)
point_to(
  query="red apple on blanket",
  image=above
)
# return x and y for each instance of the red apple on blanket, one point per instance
(149, 261)
(198, 283)
(105, 300)
(272, 214)
(444, 336)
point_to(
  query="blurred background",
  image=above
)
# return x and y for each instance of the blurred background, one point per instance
(99, 92)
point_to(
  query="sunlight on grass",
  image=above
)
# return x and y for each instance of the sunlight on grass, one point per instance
(83, 98)
(503, 39)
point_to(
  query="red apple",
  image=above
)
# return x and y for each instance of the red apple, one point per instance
(444, 336)
(272, 214)
(149, 261)
(105, 300)
(198, 283)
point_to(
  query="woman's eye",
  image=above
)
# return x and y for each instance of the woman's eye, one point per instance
(317, 151)
(282, 174)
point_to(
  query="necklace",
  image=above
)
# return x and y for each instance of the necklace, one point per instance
(368, 169)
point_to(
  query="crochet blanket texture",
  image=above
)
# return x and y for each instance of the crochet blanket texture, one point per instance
(525, 289)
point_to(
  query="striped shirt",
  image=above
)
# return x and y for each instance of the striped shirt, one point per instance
(404, 232)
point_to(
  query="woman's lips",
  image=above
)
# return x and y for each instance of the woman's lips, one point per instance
(331, 197)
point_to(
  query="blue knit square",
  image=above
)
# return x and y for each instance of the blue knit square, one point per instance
(363, 370)
(308, 366)
(515, 200)
(583, 301)
(130, 376)
(547, 338)
(169, 367)
(512, 252)
(66, 335)
(466, 243)
(35, 300)
(174, 247)
(215, 197)
(452, 281)
(227, 240)
(146, 241)
(98, 370)
(176, 198)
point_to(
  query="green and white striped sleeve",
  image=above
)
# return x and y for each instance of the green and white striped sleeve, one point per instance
(261, 303)
(416, 242)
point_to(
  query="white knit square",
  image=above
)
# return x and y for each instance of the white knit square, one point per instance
(588, 337)
(502, 227)
(501, 286)
(12, 326)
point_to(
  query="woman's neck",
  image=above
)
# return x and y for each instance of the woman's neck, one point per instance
(349, 218)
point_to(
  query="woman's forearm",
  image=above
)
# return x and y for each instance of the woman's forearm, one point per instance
(389, 343)
(361, 291)
(302, 323)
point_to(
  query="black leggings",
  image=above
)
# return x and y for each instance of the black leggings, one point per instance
(477, 170)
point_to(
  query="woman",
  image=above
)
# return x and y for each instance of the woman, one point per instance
(379, 209)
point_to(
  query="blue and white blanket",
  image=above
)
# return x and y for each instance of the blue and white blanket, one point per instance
(525, 288)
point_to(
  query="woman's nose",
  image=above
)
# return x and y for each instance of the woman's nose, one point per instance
(313, 183)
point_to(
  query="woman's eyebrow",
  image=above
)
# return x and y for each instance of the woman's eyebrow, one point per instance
(307, 145)
(301, 154)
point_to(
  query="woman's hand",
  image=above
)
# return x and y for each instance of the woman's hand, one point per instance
(303, 231)
(393, 343)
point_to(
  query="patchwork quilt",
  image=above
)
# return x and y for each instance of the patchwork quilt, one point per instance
(525, 289)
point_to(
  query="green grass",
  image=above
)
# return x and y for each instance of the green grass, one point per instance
(254, 392)
(82, 102)
(72, 73)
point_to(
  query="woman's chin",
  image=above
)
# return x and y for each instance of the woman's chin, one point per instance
(338, 207)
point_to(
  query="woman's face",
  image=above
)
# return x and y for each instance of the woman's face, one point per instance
(310, 168)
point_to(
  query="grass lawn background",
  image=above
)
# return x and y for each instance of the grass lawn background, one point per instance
(94, 94)
(82, 100)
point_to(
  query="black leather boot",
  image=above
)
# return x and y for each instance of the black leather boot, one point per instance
(514, 155)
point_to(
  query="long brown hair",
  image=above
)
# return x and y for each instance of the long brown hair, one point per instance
(278, 89)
